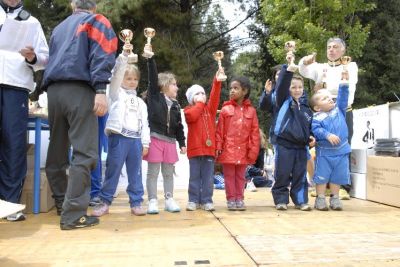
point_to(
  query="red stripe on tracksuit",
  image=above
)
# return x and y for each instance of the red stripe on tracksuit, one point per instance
(108, 46)
(103, 20)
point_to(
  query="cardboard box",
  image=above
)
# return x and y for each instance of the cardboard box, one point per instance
(30, 157)
(358, 185)
(383, 180)
(358, 160)
(44, 144)
(46, 200)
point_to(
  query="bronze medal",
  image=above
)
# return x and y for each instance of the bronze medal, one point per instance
(208, 142)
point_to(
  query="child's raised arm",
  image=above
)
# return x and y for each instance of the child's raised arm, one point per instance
(343, 96)
(215, 96)
(118, 74)
(153, 89)
(267, 100)
(283, 85)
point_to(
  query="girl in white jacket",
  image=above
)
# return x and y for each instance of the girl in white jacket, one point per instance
(128, 137)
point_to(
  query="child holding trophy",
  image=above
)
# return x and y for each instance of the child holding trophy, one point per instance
(332, 150)
(200, 117)
(165, 130)
(291, 132)
(128, 132)
(237, 140)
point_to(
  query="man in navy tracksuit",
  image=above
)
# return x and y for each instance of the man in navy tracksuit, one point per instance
(290, 135)
(82, 55)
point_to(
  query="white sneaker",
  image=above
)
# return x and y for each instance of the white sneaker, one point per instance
(191, 206)
(251, 187)
(153, 206)
(171, 206)
(16, 217)
(208, 207)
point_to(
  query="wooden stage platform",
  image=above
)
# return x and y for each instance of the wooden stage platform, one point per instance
(364, 234)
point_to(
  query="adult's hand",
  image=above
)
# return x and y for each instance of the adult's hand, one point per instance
(309, 59)
(28, 52)
(100, 105)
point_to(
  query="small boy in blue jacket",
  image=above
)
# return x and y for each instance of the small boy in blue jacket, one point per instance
(291, 131)
(332, 150)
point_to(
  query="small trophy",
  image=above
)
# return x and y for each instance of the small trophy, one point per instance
(126, 36)
(345, 60)
(149, 33)
(290, 47)
(218, 56)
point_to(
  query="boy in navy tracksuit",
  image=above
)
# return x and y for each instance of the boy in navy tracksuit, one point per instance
(290, 134)
(332, 150)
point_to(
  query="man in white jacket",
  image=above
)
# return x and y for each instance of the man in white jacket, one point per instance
(328, 75)
(16, 82)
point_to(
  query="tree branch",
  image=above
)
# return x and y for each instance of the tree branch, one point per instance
(227, 31)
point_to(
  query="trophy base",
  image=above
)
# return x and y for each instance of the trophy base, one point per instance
(221, 78)
(132, 58)
(147, 54)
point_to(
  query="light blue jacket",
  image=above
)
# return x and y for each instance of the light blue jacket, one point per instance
(332, 122)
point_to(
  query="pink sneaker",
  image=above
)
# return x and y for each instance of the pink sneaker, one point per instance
(100, 209)
(138, 211)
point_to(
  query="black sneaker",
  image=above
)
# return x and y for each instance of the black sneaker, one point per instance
(59, 210)
(59, 204)
(84, 221)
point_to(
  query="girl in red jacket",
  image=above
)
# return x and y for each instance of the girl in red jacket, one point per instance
(200, 118)
(237, 140)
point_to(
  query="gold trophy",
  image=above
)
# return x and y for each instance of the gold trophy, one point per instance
(149, 33)
(126, 36)
(218, 56)
(345, 60)
(290, 47)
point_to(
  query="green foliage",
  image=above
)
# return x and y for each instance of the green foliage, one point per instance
(310, 23)
(379, 81)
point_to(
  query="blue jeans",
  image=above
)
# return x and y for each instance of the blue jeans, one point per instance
(201, 181)
(122, 150)
(96, 174)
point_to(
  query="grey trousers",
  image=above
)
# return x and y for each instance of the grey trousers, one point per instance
(72, 122)
(167, 170)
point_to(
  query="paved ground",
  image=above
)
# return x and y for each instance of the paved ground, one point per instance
(364, 234)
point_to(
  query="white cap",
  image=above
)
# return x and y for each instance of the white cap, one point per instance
(192, 91)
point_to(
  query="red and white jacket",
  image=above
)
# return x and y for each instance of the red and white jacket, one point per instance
(238, 135)
(200, 119)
